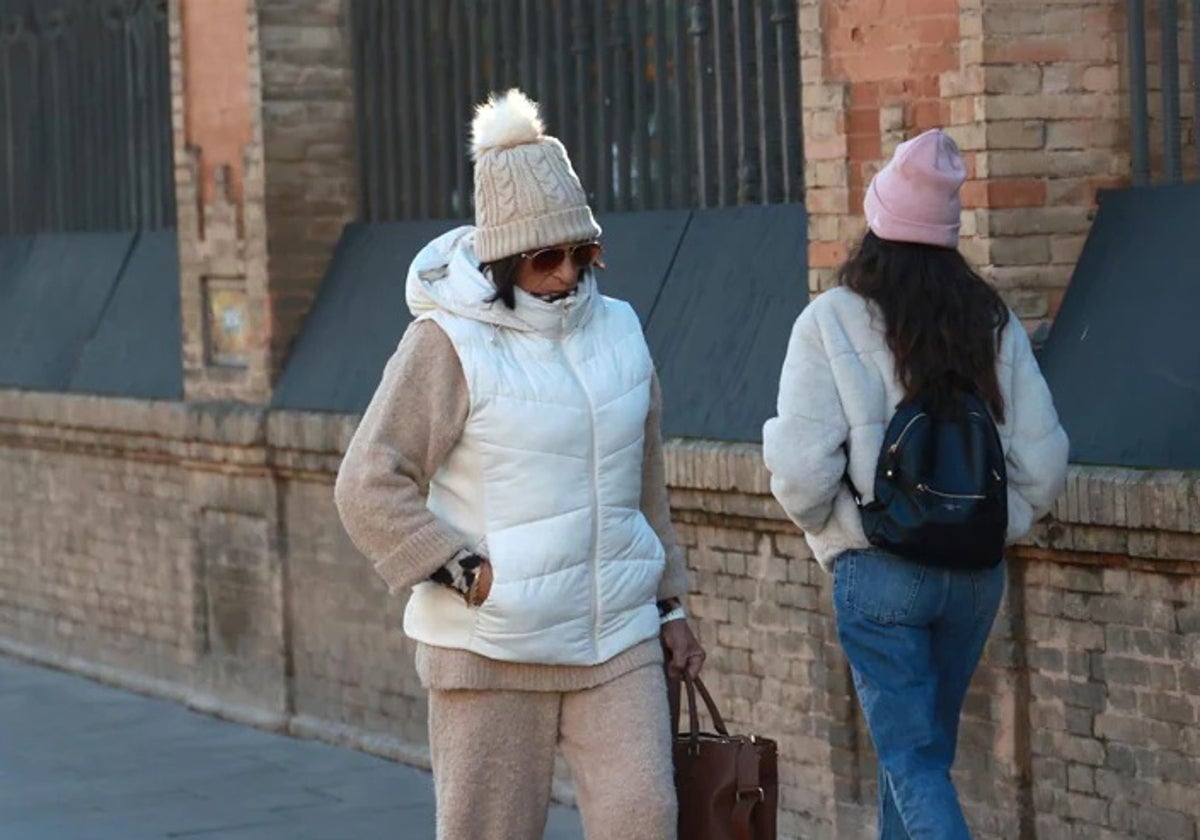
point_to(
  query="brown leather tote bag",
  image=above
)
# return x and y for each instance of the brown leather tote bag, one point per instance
(728, 785)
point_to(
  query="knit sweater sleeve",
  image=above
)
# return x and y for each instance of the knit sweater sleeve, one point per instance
(656, 505)
(1037, 455)
(803, 444)
(414, 420)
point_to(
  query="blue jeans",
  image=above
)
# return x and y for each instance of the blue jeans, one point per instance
(913, 635)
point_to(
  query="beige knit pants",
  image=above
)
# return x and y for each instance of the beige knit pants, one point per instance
(493, 759)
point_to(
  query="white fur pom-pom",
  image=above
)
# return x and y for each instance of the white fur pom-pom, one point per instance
(505, 120)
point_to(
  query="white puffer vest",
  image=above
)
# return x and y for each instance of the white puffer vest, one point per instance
(546, 479)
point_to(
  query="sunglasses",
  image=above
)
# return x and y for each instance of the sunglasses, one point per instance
(583, 255)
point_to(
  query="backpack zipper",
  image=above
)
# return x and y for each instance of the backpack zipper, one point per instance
(896, 446)
(925, 488)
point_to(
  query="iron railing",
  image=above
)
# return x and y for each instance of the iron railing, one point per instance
(85, 116)
(661, 103)
(1173, 94)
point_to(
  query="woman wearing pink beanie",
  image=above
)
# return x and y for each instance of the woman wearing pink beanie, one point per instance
(915, 439)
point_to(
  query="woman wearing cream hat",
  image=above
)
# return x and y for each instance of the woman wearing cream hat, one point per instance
(509, 470)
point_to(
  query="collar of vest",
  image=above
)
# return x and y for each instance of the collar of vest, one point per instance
(445, 276)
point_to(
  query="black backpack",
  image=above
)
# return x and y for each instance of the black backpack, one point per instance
(941, 487)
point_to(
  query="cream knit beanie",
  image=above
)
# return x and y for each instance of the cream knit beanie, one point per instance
(527, 195)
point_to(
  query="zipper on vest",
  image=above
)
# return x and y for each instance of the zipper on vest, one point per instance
(593, 493)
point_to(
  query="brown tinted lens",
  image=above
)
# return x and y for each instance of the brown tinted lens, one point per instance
(548, 260)
(586, 255)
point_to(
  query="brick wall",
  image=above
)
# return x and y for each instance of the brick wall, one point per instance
(308, 132)
(194, 552)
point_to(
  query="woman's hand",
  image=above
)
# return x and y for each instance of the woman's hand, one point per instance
(683, 649)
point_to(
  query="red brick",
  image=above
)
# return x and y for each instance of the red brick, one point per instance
(826, 254)
(865, 146)
(1016, 192)
(974, 194)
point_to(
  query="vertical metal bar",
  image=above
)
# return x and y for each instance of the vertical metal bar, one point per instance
(478, 87)
(619, 146)
(419, 36)
(787, 48)
(660, 152)
(462, 50)
(443, 96)
(6, 129)
(358, 39)
(129, 73)
(562, 65)
(50, 95)
(144, 27)
(1168, 13)
(581, 49)
(686, 183)
(391, 88)
(1196, 81)
(1137, 92)
(490, 30)
(166, 137)
(603, 156)
(373, 184)
(526, 49)
(85, 38)
(510, 49)
(544, 47)
(748, 140)
(698, 28)
(723, 111)
(765, 96)
(640, 156)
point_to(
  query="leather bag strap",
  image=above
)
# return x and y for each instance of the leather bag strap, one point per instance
(693, 685)
(749, 791)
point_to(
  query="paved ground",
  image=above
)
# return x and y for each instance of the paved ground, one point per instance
(81, 761)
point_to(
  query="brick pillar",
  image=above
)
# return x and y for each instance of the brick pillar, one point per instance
(219, 192)
(265, 179)
(308, 128)
(1057, 130)
(1032, 95)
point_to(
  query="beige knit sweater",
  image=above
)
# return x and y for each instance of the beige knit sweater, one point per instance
(412, 424)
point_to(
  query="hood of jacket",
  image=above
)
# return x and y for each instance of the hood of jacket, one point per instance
(445, 276)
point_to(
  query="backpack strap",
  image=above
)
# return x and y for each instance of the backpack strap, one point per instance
(849, 481)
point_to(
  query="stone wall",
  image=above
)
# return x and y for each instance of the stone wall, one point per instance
(194, 552)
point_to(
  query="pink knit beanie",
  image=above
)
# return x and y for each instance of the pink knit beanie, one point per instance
(915, 197)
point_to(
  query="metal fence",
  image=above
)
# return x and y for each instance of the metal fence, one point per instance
(1167, 14)
(85, 116)
(662, 103)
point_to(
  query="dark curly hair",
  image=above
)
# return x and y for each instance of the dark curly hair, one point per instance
(943, 321)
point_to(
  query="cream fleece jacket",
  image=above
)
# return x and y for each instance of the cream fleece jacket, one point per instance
(839, 387)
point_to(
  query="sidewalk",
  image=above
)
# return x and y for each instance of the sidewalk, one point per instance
(81, 761)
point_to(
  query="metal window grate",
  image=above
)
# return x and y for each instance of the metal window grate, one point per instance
(1174, 21)
(85, 116)
(661, 103)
